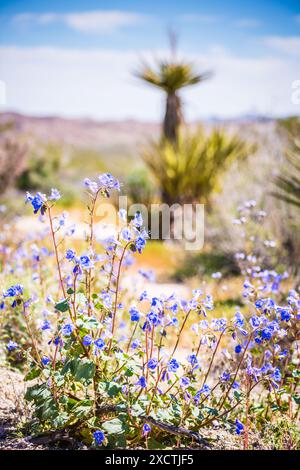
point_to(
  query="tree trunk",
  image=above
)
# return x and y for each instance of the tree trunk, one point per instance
(172, 118)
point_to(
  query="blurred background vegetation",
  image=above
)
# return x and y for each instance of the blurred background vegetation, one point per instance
(220, 165)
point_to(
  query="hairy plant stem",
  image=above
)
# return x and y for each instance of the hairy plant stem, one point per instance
(116, 297)
(212, 358)
(132, 336)
(91, 244)
(56, 252)
(179, 334)
(34, 346)
(236, 372)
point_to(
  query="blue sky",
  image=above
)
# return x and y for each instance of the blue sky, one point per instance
(75, 58)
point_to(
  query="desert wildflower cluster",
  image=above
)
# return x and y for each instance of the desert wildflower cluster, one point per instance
(105, 362)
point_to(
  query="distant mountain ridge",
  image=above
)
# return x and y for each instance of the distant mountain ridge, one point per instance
(90, 133)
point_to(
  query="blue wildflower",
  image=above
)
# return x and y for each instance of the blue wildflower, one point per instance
(38, 202)
(107, 300)
(14, 291)
(138, 220)
(277, 375)
(173, 365)
(140, 243)
(285, 315)
(184, 382)
(70, 255)
(259, 303)
(142, 382)
(86, 262)
(144, 296)
(239, 319)
(173, 308)
(146, 429)
(99, 437)
(239, 427)
(266, 334)
(152, 364)
(135, 344)
(254, 321)
(77, 270)
(45, 360)
(225, 376)
(107, 181)
(238, 349)
(91, 185)
(192, 359)
(54, 195)
(247, 285)
(67, 329)
(87, 340)
(156, 304)
(205, 390)
(45, 325)
(153, 318)
(99, 343)
(148, 275)
(11, 345)
(126, 234)
(134, 314)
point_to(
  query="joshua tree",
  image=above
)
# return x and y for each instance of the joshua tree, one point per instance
(171, 76)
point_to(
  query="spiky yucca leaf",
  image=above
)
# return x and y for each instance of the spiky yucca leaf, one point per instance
(288, 183)
(171, 76)
(191, 170)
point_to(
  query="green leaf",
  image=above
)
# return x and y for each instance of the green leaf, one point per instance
(83, 409)
(62, 306)
(89, 323)
(70, 291)
(47, 410)
(81, 299)
(33, 374)
(111, 388)
(137, 410)
(114, 426)
(59, 379)
(37, 393)
(212, 411)
(237, 394)
(60, 420)
(83, 370)
(296, 398)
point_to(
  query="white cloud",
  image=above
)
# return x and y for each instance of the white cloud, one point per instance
(247, 23)
(286, 44)
(89, 22)
(99, 83)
